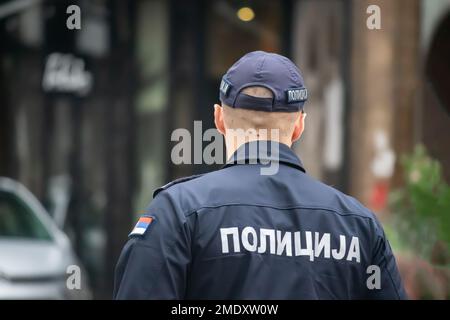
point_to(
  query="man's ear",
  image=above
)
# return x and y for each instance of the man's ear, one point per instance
(299, 127)
(218, 119)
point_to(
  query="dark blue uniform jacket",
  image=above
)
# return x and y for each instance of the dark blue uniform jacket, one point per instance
(245, 233)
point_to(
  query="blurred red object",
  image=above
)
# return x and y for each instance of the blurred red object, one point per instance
(379, 195)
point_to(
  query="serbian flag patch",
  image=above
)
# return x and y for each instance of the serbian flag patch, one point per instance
(142, 225)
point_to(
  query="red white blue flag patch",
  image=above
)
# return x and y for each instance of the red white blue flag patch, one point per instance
(142, 225)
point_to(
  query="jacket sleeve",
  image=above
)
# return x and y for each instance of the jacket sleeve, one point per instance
(154, 265)
(390, 285)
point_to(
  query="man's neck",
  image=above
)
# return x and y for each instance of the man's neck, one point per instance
(232, 144)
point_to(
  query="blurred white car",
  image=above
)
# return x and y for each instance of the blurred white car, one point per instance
(34, 253)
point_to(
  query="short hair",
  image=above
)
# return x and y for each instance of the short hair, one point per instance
(239, 118)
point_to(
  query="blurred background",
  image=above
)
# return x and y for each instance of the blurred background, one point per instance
(86, 117)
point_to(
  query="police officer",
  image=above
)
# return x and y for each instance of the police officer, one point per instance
(261, 227)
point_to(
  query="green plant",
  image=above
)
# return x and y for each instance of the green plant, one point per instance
(421, 209)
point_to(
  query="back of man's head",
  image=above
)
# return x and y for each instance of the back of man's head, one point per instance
(262, 96)
(246, 119)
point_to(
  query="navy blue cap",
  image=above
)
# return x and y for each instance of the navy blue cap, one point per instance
(270, 70)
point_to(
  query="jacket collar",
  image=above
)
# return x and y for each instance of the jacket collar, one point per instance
(264, 152)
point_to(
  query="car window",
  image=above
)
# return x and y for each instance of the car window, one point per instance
(18, 221)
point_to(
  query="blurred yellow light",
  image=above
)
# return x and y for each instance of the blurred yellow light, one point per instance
(246, 14)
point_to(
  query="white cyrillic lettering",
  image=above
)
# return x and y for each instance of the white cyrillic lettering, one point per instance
(323, 244)
(224, 233)
(281, 243)
(353, 251)
(263, 245)
(245, 241)
(284, 242)
(308, 251)
(339, 255)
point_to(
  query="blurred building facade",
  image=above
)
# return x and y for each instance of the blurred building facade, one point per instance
(91, 111)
